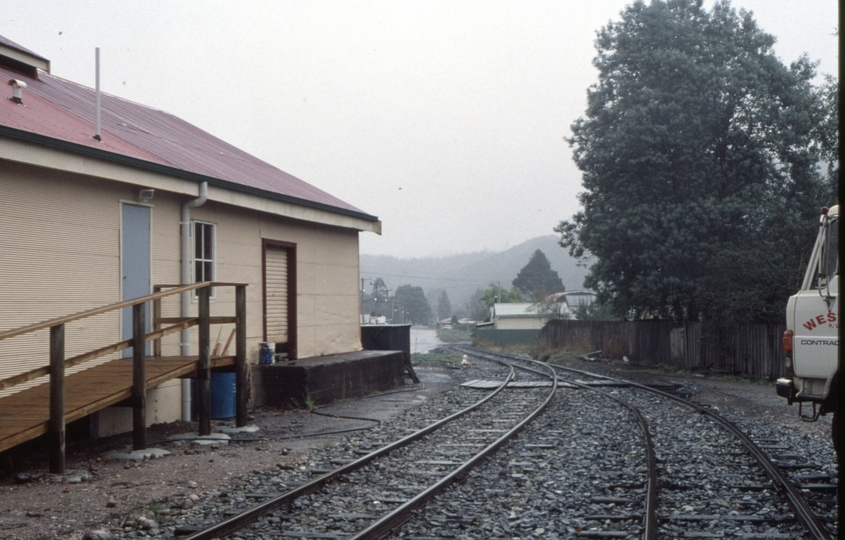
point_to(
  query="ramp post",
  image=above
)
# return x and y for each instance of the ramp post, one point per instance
(56, 426)
(241, 387)
(139, 377)
(204, 362)
(410, 369)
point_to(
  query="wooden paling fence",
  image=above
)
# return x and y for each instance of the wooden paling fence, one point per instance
(750, 350)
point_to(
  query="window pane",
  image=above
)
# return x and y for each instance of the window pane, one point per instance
(198, 271)
(206, 275)
(197, 240)
(208, 242)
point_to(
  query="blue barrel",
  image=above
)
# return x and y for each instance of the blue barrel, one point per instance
(266, 352)
(223, 394)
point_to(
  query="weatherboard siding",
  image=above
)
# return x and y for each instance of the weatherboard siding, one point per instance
(60, 245)
(59, 239)
(326, 285)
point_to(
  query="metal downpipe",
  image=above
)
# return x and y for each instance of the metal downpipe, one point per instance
(185, 336)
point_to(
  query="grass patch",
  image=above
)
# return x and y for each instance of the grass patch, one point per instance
(558, 356)
(428, 359)
(451, 335)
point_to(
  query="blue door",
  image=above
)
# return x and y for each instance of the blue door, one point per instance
(135, 237)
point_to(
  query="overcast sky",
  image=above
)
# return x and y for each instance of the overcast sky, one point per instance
(444, 119)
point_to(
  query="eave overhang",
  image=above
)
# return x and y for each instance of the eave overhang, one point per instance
(285, 204)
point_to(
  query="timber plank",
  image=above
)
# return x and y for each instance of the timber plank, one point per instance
(25, 415)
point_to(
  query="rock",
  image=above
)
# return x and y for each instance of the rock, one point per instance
(23, 478)
(98, 534)
(111, 503)
(147, 524)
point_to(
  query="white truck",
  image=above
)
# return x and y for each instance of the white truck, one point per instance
(811, 339)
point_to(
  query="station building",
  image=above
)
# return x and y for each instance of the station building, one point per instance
(102, 198)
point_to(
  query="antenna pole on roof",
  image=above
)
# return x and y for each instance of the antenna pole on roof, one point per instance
(97, 70)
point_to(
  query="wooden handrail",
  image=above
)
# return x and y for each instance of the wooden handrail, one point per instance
(58, 363)
(179, 323)
(111, 307)
(102, 351)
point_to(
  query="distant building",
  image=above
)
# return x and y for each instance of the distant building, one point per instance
(517, 316)
(571, 299)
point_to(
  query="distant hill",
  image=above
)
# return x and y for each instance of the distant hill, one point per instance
(460, 275)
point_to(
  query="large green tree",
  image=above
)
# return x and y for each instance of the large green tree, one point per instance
(537, 280)
(700, 166)
(412, 301)
(828, 131)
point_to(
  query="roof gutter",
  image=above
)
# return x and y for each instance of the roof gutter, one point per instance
(175, 172)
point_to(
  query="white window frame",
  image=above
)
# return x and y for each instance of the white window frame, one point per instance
(197, 243)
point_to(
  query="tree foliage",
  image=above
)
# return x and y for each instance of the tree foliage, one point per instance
(537, 280)
(593, 311)
(699, 151)
(413, 302)
(378, 298)
(554, 310)
(493, 294)
(828, 132)
(444, 306)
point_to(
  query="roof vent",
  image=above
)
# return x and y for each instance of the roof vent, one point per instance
(17, 90)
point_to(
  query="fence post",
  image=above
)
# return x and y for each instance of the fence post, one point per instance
(139, 377)
(240, 357)
(56, 426)
(204, 362)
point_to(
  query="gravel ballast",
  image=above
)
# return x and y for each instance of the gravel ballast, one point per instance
(113, 495)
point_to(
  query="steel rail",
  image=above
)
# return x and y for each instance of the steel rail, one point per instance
(398, 516)
(779, 480)
(242, 519)
(650, 515)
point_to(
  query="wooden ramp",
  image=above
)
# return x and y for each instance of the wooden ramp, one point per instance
(25, 415)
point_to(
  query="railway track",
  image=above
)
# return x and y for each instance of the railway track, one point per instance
(567, 476)
(607, 459)
(752, 496)
(374, 490)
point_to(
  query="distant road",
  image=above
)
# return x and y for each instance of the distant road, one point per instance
(423, 339)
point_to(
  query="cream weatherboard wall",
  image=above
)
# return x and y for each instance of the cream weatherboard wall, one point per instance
(59, 254)
(326, 283)
(521, 323)
(60, 245)
(326, 276)
(60, 249)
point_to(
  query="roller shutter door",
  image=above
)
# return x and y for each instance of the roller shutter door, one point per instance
(276, 290)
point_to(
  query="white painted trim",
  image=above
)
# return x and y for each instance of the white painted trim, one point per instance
(214, 258)
(135, 203)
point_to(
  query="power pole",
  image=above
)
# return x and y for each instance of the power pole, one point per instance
(362, 300)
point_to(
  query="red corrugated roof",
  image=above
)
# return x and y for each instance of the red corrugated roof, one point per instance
(60, 109)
